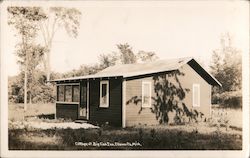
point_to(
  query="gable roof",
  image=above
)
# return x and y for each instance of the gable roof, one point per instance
(132, 70)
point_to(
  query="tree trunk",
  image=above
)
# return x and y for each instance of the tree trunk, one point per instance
(30, 102)
(25, 87)
(48, 65)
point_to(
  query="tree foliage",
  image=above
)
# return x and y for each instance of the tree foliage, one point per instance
(41, 92)
(32, 54)
(126, 53)
(83, 70)
(25, 20)
(226, 65)
(107, 60)
(125, 56)
(143, 56)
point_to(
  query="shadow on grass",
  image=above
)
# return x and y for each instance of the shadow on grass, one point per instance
(46, 116)
(148, 138)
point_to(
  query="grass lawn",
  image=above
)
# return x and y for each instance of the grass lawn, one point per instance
(16, 111)
(143, 138)
(178, 137)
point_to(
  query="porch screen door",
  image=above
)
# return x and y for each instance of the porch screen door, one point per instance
(83, 101)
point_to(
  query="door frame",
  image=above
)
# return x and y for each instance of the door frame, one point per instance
(87, 100)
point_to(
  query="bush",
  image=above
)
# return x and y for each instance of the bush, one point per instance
(232, 99)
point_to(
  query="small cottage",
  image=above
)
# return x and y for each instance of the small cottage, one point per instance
(133, 94)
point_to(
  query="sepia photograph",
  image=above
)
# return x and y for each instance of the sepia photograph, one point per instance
(111, 76)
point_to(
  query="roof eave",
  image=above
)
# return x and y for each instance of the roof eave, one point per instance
(83, 78)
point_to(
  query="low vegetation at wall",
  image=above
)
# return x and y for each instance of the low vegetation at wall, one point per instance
(229, 99)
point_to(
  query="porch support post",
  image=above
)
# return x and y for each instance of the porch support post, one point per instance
(87, 99)
(124, 103)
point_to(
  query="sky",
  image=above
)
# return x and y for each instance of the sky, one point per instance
(170, 29)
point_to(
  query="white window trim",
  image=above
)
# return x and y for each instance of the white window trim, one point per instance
(198, 86)
(104, 105)
(150, 95)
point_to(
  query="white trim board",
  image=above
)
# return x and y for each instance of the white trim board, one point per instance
(124, 86)
(150, 94)
(195, 85)
(107, 104)
(67, 84)
(87, 100)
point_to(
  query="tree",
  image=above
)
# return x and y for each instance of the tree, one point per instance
(143, 56)
(127, 55)
(32, 56)
(24, 20)
(41, 92)
(226, 65)
(57, 17)
(107, 60)
(15, 88)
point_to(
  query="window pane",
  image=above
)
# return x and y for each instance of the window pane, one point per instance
(60, 93)
(84, 95)
(146, 100)
(104, 94)
(146, 95)
(146, 89)
(196, 96)
(68, 93)
(76, 93)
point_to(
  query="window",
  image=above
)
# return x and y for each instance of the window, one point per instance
(196, 95)
(146, 94)
(60, 93)
(104, 94)
(76, 93)
(68, 92)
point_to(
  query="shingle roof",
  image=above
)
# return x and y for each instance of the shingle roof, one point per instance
(131, 70)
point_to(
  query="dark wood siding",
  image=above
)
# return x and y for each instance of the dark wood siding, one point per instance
(112, 114)
(66, 111)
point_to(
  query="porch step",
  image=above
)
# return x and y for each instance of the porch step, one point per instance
(80, 121)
